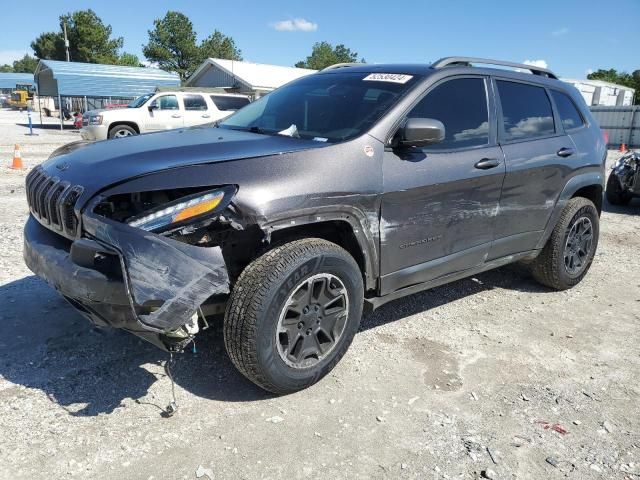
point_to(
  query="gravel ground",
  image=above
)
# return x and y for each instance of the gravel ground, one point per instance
(492, 376)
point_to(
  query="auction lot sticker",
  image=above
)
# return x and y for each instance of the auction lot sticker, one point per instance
(388, 77)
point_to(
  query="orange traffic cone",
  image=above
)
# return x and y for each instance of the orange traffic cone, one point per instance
(623, 148)
(17, 158)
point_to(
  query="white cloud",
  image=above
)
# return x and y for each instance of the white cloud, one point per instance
(9, 56)
(297, 24)
(589, 71)
(536, 63)
(559, 32)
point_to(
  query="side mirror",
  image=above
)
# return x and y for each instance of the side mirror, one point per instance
(152, 106)
(418, 132)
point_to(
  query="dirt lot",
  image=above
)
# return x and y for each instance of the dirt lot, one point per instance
(493, 375)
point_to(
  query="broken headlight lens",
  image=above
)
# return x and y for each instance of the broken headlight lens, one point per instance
(180, 211)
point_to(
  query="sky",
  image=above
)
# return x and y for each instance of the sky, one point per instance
(571, 37)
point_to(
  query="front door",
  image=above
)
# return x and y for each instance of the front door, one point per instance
(164, 114)
(440, 201)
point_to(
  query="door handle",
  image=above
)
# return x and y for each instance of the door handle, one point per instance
(565, 152)
(175, 115)
(487, 163)
(206, 115)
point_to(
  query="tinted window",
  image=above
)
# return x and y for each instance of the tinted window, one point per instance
(229, 103)
(526, 111)
(567, 110)
(166, 102)
(194, 102)
(461, 105)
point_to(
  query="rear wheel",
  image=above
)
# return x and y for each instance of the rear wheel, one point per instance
(615, 194)
(567, 255)
(120, 131)
(293, 314)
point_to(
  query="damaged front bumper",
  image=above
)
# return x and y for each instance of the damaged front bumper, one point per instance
(124, 277)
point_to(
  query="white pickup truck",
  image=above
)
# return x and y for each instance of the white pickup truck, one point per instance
(157, 111)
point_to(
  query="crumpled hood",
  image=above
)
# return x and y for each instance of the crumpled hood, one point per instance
(98, 165)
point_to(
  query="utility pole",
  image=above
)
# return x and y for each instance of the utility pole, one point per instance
(66, 40)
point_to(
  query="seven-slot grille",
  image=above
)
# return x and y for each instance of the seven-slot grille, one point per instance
(51, 201)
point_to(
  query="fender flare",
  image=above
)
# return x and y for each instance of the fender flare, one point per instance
(587, 179)
(362, 226)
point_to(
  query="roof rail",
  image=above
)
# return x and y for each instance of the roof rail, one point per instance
(467, 61)
(340, 65)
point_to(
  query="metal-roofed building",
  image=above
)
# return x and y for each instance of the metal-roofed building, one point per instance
(8, 81)
(74, 79)
(599, 93)
(255, 79)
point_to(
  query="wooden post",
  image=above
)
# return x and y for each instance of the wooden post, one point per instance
(60, 112)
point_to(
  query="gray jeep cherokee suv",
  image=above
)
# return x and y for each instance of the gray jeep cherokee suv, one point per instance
(328, 197)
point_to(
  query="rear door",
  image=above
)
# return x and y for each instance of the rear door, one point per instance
(165, 113)
(539, 157)
(439, 201)
(196, 109)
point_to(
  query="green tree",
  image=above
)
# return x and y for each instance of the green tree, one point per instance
(6, 68)
(49, 46)
(218, 45)
(26, 64)
(89, 40)
(173, 45)
(324, 55)
(129, 60)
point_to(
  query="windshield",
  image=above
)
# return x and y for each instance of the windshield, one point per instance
(138, 102)
(327, 108)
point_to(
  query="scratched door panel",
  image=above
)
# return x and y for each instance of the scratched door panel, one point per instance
(437, 204)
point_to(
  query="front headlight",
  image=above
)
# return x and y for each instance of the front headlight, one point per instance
(183, 210)
(95, 120)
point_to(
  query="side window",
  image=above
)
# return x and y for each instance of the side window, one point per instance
(526, 111)
(569, 114)
(229, 103)
(166, 102)
(194, 102)
(461, 105)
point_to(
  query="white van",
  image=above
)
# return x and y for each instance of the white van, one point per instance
(163, 110)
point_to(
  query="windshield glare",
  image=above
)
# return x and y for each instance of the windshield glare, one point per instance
(138, 102)
(329, 107)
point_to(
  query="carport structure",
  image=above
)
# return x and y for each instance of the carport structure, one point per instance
(8, 81)
(92, 85)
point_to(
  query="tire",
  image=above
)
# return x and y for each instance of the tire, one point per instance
(614, 192)
(122, 131)
(255, 336)
(551, 267)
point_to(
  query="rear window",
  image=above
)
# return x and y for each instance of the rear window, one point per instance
(526, 111)
(194, 102)
(229, 103)
(569, 114)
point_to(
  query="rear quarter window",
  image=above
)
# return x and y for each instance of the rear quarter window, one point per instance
(569, 114)
(229, 103)
(526, 111)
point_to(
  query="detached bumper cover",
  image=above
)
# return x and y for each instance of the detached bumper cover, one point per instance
(127, 277)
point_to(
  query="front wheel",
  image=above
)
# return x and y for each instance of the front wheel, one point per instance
(120, 131)
(567, 255)
(293, 314)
